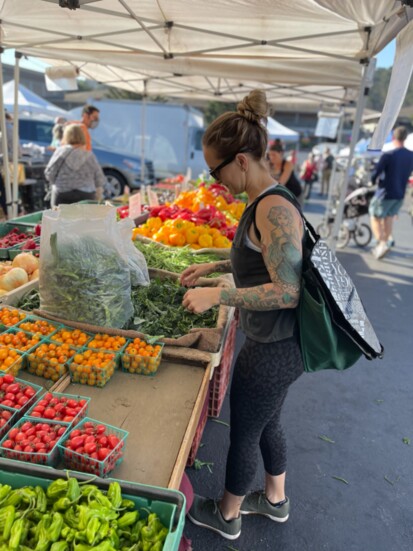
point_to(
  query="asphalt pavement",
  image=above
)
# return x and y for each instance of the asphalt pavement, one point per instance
(349, 434)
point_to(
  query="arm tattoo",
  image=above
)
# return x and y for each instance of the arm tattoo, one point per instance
(283, 258)
(223, 267)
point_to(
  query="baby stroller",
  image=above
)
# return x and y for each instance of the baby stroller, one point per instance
(356, 204)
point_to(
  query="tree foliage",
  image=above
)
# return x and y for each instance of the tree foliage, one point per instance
(379, 89)
(215, 108)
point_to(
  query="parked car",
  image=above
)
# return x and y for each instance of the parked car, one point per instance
(120, 169)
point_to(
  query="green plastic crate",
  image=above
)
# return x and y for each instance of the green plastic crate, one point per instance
(169, 505)
(17, 249)
(5, 228)
(28, 220)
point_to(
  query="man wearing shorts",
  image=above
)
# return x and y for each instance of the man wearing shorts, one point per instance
(393, 171)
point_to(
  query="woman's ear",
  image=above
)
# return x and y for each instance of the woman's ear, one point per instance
(242, 161)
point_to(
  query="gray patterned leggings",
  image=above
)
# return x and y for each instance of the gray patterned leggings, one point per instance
(262, 376)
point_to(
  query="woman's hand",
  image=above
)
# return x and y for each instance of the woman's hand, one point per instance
(201, 299)
(190, 276)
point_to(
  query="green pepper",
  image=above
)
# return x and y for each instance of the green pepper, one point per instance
(101, 499)
(73, 489)
(62, 504)
(87, 489)
(115, 494)
(16, 533)
(35, 516)
(161, 535)
(127, 504)
(42, 533)
(28, 494)
(113, 537)
(8, 514)
(56, 527)
(14, 498)
(5, 490)
(92, 530)
(57, 489)
(25, 531)
(150, 531)
(128, 519)
(157, 546)
(81, 547)
(136, 530)
(59, 546)
(103, 546)
(103, 513)
(71, 518)
(41, 500)
(146, 545)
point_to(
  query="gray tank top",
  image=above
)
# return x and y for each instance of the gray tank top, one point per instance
(249, 270)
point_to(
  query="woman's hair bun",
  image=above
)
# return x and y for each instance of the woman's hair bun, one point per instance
(254, 107)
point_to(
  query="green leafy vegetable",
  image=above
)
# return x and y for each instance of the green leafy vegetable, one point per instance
(326, 439)
(30, 301)
(343, 480)
(158, 310)
(86, 280)
(172, 259)
(198, 464)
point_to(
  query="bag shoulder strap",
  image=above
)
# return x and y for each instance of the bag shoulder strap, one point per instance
(63, 162)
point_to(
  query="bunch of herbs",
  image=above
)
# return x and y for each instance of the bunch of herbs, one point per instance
(158, 310)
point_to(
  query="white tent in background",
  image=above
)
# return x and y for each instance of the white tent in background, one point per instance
(30, 103)
(278, 130)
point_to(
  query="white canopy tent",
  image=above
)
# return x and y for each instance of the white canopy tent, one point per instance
(285, 44)
(278, 130)
(29, 103)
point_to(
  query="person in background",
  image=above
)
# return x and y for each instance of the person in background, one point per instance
(392, 173)
(309, 174)
(266, 262)
(283, 171)
(9, 135)
(75, 172)
(327, 167)
(57, 132)
(90, 120)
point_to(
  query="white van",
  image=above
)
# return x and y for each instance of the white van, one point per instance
(173, 133)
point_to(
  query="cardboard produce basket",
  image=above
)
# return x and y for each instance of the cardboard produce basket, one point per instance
(204, 339)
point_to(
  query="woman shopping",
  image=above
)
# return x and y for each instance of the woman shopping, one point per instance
(75, 172)
(266, 260)
(283, 171)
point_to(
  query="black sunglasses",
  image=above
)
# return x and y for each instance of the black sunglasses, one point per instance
(214, 172)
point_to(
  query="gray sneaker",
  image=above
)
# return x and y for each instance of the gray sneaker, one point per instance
(205, 512)
(257, 503)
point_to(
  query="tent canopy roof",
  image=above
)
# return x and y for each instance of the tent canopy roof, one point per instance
(288, 42)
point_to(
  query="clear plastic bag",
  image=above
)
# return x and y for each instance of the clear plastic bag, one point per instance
(86, 266)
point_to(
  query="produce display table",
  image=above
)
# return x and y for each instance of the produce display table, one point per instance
(160, 413)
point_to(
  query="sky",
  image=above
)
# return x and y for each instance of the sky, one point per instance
(384, 59)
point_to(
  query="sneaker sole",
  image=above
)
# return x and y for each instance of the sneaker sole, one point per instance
(275, 519)
(223, 534)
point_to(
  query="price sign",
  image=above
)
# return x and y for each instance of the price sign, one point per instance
(153, 198)
(135, 205)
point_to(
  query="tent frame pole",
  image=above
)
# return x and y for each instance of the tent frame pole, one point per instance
(330, 196)
(6, 170)
(143, 130)
(361, 101)
(15, 187)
